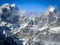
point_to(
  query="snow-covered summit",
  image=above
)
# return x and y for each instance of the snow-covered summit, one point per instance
(5, 5)
(13, 5)
(9, 13)
(51, 9)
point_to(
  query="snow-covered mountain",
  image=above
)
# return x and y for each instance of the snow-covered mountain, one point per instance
(36, 30)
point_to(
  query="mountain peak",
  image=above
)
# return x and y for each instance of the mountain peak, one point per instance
(5, 5)
(52, 9)
(13, 5)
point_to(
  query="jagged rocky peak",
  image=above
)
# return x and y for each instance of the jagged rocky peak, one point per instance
(7, 9)
(13, 5)
(9, 13)
(9, 6)
(52, 9)
(5, 5)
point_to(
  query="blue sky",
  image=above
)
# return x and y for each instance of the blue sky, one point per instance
(33, 5)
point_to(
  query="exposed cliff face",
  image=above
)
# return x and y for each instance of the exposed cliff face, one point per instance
(8, 21)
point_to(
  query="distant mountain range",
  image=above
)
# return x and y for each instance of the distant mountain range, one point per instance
(32, 29)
